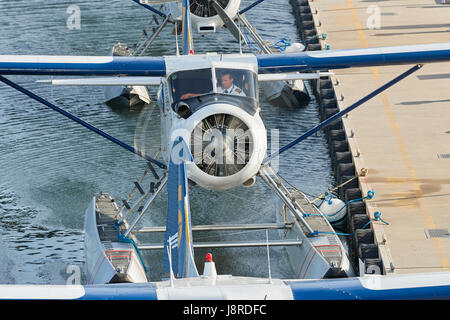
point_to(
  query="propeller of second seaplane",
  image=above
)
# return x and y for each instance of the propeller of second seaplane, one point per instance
(150, 71)
(207, 15)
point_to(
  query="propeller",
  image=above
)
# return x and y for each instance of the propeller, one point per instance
(205, 9)
(221, 145)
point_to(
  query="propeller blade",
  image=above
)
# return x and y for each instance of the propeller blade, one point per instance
(79, 121)
(228, 21)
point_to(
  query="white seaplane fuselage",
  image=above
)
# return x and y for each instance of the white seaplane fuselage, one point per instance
(190, 93)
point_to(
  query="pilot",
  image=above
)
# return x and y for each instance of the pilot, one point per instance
(227, 85)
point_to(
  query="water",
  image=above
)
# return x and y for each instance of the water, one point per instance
(51, 167)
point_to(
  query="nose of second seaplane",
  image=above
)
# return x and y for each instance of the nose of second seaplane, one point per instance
(227, 143)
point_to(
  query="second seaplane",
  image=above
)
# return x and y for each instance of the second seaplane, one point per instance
(212, 137)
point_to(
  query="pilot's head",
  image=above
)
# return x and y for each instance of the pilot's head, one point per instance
(226, 80)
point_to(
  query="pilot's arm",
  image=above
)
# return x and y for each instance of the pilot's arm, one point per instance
(189, 95)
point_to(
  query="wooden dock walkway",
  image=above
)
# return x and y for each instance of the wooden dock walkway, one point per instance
(403, 135)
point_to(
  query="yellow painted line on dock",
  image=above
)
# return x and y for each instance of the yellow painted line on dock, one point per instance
(440, 250)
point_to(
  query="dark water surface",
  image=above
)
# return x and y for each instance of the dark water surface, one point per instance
(51, 167)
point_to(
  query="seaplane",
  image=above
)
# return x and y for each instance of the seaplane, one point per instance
(210, 17)
(214, 138)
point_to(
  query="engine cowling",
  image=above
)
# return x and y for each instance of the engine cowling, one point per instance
(227, 143)
(204, 17)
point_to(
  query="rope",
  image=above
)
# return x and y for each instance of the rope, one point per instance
(250, 42)
(280, 45)
(370, 195)
(322, 36)
(295, 188)
(122, 238)
(285, 42)
(362, 173)
(377, 217)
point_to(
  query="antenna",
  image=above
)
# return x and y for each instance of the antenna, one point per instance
(176, 38)
(268, 256)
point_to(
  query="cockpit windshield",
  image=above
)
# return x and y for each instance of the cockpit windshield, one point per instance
(238, 82)
(191, 83)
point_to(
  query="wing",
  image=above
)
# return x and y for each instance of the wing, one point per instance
(110, 81)
(82, 65)
(340, 59)
(273, 63)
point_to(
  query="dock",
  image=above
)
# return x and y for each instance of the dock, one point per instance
(403, 135)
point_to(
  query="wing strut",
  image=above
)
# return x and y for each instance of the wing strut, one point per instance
(250, 6)
(159, 13)
(79, 121)
(342, 113)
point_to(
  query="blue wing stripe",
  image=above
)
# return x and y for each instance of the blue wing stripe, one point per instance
(273, 63)
(133, 291)
(340, 59)
(76, 65)
(353, 289)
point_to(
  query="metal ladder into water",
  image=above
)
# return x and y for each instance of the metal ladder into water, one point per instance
(146, 39)
(255, 37)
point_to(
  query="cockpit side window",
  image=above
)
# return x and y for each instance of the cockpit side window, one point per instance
(237, 82)
(190, 83)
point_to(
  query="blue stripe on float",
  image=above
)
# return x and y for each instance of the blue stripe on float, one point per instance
(304, 61)
(352, 289)
(127, 66)
(120, 291)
